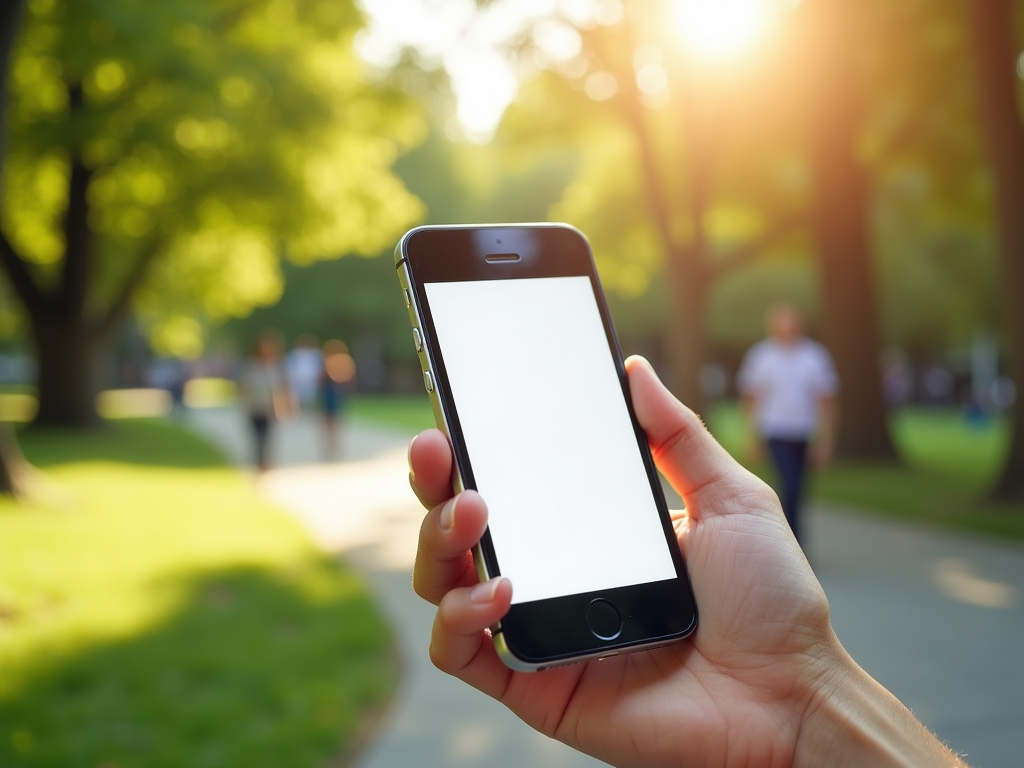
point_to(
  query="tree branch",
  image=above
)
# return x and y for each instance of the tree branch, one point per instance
(122, 301)
(21, 280)
(654, 189)
(745, 252)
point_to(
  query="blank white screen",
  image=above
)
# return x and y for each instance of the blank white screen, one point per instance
(548, 435)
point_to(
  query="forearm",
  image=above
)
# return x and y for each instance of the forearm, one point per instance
(748, 407)
(828, 416)
(854, 721)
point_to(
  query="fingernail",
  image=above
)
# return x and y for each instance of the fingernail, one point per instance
(646, 363)
(484, 592)
(408, 459)
(447, 517)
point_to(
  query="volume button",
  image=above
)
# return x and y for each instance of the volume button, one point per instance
(428, 381)
(417, 340)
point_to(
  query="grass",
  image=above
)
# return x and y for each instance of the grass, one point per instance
(155, 612)
(948, 465)
(412, 411)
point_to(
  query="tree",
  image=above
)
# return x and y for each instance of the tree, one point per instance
(651, 189)
(162, 159)
(992, 24)
(10, 14)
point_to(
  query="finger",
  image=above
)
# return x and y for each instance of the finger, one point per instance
(458, 643)
(430, 467)
(687, 454)
(448, 532)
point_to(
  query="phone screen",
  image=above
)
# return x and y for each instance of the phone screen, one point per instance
(549, 436)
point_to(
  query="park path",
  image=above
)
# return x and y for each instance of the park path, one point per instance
(936, 617)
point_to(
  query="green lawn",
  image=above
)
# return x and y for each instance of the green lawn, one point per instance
(948, 465)
(411, 411)
(155, 612)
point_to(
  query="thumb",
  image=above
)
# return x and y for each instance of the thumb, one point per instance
(685, 452)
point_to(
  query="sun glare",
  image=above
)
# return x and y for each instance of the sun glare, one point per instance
(721, 28)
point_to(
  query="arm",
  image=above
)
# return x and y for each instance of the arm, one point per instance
(285, 403)
(763, 681)
(828, 417)
(751, 438)
(857, 722)
(748, 383)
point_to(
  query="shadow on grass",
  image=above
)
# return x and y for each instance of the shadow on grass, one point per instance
(147, 442)
(253, 668)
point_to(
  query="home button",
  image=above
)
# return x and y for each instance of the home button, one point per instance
(604, 620)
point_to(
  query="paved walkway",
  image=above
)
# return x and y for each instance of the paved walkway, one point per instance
(938, 618)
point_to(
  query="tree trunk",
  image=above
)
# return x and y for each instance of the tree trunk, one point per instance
(686, 336)
(67, 354)
(995, 56)
(686, 333)
(12, 463)
(842, 231)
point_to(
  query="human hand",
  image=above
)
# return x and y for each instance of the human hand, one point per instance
(754, 451)
(737, 692)
(821, 454)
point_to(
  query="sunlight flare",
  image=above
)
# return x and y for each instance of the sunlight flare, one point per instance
(721, 28)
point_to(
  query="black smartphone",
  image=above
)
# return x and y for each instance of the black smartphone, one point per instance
(526, 378)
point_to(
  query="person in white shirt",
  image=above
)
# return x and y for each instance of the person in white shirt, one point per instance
(303, 366)
(789, 387)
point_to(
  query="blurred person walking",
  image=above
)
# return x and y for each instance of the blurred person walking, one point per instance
(789, 387)
(264, 392)
(303, 366)
(337, 382)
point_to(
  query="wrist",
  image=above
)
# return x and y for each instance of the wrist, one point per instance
(852, 720)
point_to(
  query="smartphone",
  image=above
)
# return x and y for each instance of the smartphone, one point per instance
(526, 378)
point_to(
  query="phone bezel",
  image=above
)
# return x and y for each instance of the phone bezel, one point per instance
(550, 632)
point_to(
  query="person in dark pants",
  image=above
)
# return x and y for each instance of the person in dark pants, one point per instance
(337, 382)
(790, 459)
(264, 393)
(789, 387)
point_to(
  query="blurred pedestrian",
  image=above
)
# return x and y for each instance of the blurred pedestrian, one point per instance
(303, 365)
(337, 382)
(789, 387)
(264, 392)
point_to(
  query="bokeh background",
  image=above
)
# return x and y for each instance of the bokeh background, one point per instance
(178, 177)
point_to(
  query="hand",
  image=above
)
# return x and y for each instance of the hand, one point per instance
(736, 693)
(754, 451)
(821, 454)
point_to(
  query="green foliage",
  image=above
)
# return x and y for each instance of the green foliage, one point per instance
(154, 611)
(221, 134)
(934, 204)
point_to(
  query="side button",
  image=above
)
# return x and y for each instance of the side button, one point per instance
(428, 381)
(417, 340)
